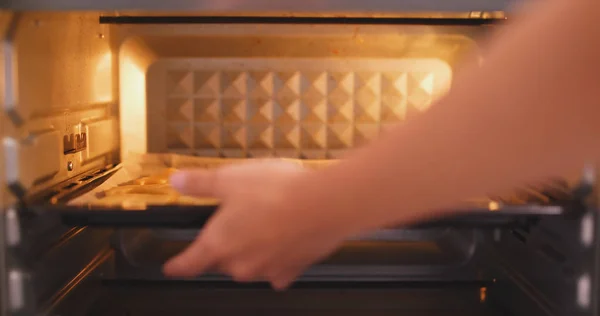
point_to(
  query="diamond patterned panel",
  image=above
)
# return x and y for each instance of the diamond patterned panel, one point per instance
(260, 84)
(314, 112)
(179, 82)
(367, 98)
(179, 136)
(234, 111)
(286, 137)
(207, 83)
(260, 111)
(313, 137)
(286, 112)
(420, 90)
(301, 108)
(286, 85)
(206, 110)
(340, 136)
(340, 110)
(234, 136)
(313, 86)
(233, 84)
(207, 135)
(260, 137)
(393, 109)
(363, 133)
(180, 110)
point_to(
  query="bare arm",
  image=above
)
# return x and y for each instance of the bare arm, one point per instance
(530, 112)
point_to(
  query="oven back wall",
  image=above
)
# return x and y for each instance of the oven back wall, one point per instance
(302, 91)
(58, 83)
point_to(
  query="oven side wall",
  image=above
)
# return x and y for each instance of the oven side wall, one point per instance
(5, 17)
(61, 99)
(58, 83)
(551, 267)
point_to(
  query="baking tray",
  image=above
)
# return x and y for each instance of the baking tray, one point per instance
(350, 299)
(177, 216)
(401, 254)
(81, 201)
(445, 248)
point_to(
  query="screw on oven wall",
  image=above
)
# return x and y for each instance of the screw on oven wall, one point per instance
(584, 289)
(13, 229)
(16, 290)
(70, 166)
(497, 235)
(587, 230)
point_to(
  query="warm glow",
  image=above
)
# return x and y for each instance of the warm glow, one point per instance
(132, 107)
(493, 206)
(102, 80)
(174, 101)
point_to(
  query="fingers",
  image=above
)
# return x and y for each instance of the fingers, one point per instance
(282, 282)
(193, 261)
(199, 257)
(283, 277)
(201, 183)
(244, 272)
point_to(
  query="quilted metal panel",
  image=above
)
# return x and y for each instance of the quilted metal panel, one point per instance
(299, 108)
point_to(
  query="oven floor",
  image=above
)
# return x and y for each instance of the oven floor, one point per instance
(188, 299)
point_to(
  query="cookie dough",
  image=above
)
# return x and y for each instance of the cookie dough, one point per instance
(153, 187)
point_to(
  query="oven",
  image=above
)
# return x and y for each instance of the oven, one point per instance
(93, 90)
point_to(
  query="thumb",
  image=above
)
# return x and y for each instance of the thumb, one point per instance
(202, 183)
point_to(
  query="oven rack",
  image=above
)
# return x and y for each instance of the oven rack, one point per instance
(551, 198)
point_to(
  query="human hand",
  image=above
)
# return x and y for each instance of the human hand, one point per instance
(262, 231)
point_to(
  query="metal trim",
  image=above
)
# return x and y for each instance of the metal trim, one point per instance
(237, 6)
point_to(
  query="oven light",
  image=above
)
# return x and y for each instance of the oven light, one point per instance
(493, 206)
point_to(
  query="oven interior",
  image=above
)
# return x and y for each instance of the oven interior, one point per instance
(83, 91)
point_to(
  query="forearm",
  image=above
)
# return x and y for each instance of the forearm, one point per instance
(528, 113)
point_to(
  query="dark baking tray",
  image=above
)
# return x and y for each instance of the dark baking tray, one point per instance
(178, 216)
(193, 216)
(351, 299)
(400, 254)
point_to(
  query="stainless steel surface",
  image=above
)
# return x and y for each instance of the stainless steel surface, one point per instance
(12, 228)
(587, 230)
(21, 172)
(100, 137)
(232, 6)
(5, 18)
(584, 291)
(16, 290)
(59, 79)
